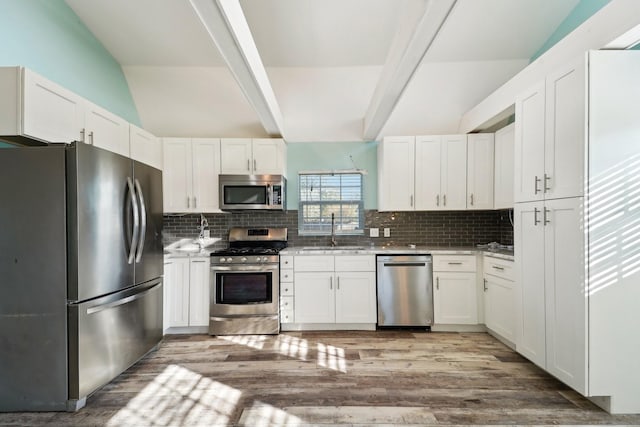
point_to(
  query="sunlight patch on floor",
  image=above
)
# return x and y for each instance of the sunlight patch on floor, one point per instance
(178, 396)
(292, 346)
(253, 341)
(264, 415)
(332, 357)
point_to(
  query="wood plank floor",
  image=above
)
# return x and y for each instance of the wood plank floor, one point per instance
(315, 378)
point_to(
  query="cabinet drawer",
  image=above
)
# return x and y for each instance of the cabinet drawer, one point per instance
(286, 303)
(286, 316)
(454, 263)
(286, 289)
(313, 263)
(286, 261)
(355, 263)
(499, 267)
(286, 276)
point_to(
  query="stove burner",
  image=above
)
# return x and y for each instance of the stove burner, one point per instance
(248, 251)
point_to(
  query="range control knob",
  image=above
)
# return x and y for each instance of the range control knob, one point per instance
(229, 259)
(222, 259)
(265, 259)
(258, 259)
(243, 259)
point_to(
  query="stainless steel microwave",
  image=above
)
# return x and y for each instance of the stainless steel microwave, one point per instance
(252, 192)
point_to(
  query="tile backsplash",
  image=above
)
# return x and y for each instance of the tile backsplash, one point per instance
(459, 228)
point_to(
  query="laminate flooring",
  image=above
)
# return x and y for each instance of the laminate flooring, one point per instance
(395, 377)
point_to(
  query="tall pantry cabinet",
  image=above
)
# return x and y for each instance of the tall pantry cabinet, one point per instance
(577, 222)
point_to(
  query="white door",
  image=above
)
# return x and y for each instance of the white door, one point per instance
(503, 185)
(454, 174)
(50, 112)
(176, 174)
(176, 281)
(268, 156)
(206, 167)
(454, 298)
(356, 297)
(565, 132)
(529, 147)
(396, 180)
(235, 156)
(480, 170)
(499, 307)
(106, 130)
(314, 297)
(566, 291)
(529, 267)
(427, 173)
(145, 147)
(199, 292)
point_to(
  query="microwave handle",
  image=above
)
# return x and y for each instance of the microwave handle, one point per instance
(269, 194)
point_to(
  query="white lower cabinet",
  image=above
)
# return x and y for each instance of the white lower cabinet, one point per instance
(499, 298)
(330, 289)
(186, 292)
(454, 292)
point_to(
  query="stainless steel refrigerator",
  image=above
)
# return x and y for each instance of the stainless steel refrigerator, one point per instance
(80, 272)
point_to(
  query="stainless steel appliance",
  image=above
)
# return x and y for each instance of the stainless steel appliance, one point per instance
(245, 282)
(252, 192)
(405, 290)
(81, 272)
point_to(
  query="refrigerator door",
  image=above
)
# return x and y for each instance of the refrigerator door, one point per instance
(100, 221)
(109, 334)
(33, 281)
(149, 251)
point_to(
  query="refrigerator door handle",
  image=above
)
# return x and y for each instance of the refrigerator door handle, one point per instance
(143, 221)
(136, 221)
(105, 306)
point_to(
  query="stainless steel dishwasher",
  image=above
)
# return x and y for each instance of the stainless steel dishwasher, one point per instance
(405, 290)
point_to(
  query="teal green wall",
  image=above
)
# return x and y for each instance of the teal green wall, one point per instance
(49, 38)
(583, 11)
(305, 156)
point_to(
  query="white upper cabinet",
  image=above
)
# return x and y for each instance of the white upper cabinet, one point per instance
(396, 163)
(549, 134)
(503, 184)
(190, 174)
(105, 130)
(480, 170)
(145, 147)
(422, 173)
(258, 156)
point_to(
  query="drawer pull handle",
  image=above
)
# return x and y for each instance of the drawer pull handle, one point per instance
(455, 263)
(497, 267)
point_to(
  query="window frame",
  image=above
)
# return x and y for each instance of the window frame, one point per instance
(358, 231)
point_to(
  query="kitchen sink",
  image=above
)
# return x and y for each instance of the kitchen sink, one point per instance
(311, 249)
(192, 245)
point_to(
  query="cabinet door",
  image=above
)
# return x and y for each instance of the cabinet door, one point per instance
(206, 167)
(356, 297)
(106, 130)
(199, 292)
(503, 184)
(145, 147)
(529, 266)
(50, 112)
(529, 148)
(176, 281)
(480, 156)
(268, 156)
(314, 263)
(454, 174)
(566, 292)
(427, 173)
(314, 297)
(565, 132)
(396, 178)
(235, 156)
(355, 263)
(499, 303)
(455, 298)
(176, 175)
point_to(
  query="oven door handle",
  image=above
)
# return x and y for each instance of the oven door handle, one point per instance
(243, 268)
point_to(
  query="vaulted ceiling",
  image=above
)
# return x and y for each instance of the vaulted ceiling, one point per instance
(339, 70)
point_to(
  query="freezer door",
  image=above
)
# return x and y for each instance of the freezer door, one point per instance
(109, 334)
(149, 251)
(100, 219)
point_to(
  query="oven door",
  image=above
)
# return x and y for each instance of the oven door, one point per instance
(240, 290)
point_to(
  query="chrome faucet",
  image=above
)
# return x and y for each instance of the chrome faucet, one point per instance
(333, 230)
(204, 224)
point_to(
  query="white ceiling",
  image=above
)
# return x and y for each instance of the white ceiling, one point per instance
(323, 58)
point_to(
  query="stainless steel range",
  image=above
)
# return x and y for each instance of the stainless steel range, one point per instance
(245, 282)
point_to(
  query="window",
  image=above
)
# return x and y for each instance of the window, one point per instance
(321, 195)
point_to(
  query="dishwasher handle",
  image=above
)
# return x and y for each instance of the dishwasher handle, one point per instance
(405, 264)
